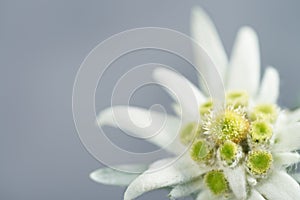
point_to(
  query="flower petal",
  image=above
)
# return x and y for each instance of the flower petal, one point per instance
(255, 195)
(244, 72)
(286, 159)
(269, 89)
(280, 185)
(188, 95)
(111, 176)
(157, 127)
(186, 189)
(237, 181)
(288, 139)
(204, 195)
(205, 34)
(181, 171)
(294, 116)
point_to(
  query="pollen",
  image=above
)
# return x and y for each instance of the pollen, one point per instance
(230, 153)
(216, 182)
(261, 132)
(230, 125)
(259, 162)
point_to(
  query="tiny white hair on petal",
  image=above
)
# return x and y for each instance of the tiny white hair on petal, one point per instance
(237, 181)
(186, 189)
(182, 171)
(117, 116)
(269, 89)
(288, 139)
(286, 159)
(205, 34)
(254, 195)
(189, 96)
(279, 185)
(244, 68)
(112, 176)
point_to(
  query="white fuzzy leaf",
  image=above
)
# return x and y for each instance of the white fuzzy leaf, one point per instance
(286, 159)
(188, 95)
(237, 181)
(157, 127)
(288, 139)
(180, 172)
(244, 71)
(269, 90)
(279, 186)
(186, 189)
(205, 34)
(254, 195)
(111, 176)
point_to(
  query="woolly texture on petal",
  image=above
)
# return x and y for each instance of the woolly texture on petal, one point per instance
(111, 176)
(180, 172)
(244, 71)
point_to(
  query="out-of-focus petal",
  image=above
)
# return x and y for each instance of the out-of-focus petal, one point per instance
(156, 127)
(180, 172)
(269, 90)
(280, 185)
(244, 68)
(111, 176)
(254, 195)
(205, 34)
(288, 139)
(186, 189)
(189, 96)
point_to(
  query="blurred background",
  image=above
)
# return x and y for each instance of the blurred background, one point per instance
(42, 44)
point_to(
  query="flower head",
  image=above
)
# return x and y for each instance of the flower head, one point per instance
(239, 151)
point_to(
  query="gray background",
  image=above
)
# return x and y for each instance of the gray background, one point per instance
(42, 44)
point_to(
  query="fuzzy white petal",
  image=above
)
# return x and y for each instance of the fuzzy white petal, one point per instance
(111, 176)
(279, 186)
(286, 159)
(296, 177)
(244, 71)
(288, 139)
(157, 127)
(186, 189)
(189, 96)
(237, 181)
(294, 116)
(183, 170)
(255, 195)
(204, 195)
(205, 34)
(269, 89)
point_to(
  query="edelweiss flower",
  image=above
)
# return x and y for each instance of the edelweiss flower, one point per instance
(242, 151)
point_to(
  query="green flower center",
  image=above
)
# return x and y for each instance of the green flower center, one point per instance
(230, 125)
(230, 153)
(237, 98)
(259, 162)
(261, 131)
(216, 182)
(200, 151)
(266, 112)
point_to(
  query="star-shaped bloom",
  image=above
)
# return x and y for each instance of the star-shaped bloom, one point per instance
(241, 151)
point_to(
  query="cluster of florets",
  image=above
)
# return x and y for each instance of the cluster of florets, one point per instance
(239, 134)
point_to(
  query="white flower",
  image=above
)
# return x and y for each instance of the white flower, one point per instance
(239, 152)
